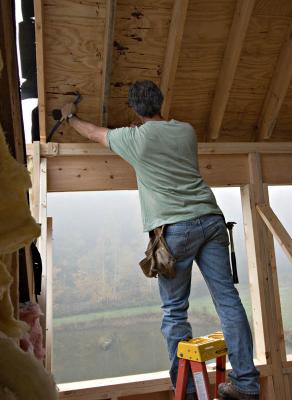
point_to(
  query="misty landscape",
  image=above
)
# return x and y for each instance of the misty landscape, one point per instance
(106, 313)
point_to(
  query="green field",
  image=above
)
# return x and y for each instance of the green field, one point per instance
(201, 304)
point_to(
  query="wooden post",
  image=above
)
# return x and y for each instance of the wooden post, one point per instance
(10, 108)
(40, 59)
(35, 178)
(49, 295)
(267, 320)
(42, 242)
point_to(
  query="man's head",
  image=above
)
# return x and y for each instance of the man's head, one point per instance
(145, 98)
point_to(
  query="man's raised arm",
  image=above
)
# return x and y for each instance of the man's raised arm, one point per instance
(86, 129)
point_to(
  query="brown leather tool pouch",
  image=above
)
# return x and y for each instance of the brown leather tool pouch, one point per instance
(158, 260)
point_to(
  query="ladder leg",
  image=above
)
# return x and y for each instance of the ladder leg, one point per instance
(182, 376)
(201, 380)
(220, 372)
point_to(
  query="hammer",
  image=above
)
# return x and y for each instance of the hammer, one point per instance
(57, 115)
(229, 226)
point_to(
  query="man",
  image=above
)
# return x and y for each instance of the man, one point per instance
(172, 193)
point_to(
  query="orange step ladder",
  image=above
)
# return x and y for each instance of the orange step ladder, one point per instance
(193, 354)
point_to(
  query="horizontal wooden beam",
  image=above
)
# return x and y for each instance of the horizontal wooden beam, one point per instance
(277, 169)
(276, 228)
(103, 172)
(129, 385)
(89, 173)
(93, 149)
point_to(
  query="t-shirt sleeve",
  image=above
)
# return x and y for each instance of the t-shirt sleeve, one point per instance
(123, 141)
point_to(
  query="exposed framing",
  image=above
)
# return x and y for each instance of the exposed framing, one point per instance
(268, 333)
(276, 228)
(230, 62)
(77, 167)
(271, 359)
(10, 110)
(277, 91)
(107, 60)
(174, 42)
(40, 59)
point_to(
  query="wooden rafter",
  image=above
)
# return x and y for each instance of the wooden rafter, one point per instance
(276, 228)
(40, 58)
(231, 58)
(277, 91)
(107, 60)
(174, 42)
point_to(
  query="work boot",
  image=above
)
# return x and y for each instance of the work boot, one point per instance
(228, 391)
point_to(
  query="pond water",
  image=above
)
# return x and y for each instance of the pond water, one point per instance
(113, 348)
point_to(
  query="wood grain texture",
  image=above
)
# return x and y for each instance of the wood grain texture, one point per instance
(283, 126)
(172, 52)
(89, 173)
(10, 107)
(41, 68)
(107, 60)
(277, 169)
(231, 58)
(77, 149)
(200, 60)
(74, 44)
(258, 59)
(268, 334)
(276, 228)
(271, 7)
(81, 173)
(277, 91)
(140, 40)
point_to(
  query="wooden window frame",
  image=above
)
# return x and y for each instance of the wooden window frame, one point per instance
(250, 166)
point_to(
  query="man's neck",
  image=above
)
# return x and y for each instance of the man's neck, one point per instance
(156, 117)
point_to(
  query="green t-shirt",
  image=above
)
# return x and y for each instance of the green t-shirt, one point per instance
(164, 156)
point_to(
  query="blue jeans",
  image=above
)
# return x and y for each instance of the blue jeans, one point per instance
(205, 240)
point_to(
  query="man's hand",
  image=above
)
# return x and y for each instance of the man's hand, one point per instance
(67, 109)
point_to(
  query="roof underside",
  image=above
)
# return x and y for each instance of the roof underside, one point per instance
(225, 66)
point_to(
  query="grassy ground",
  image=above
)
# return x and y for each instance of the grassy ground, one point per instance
(201, 304)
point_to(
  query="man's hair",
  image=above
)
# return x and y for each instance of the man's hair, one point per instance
(145, 98)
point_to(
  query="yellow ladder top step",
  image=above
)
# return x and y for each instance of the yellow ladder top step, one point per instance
(203, 348)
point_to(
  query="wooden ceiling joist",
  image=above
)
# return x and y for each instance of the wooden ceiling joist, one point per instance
(107, 60)
(277, 91)
(242, 15)
(174, 42)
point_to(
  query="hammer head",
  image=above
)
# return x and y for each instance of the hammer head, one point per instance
(230, 225)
